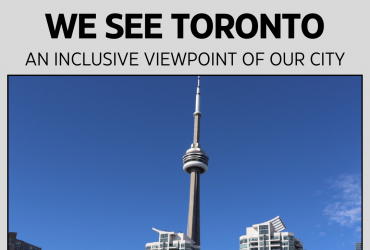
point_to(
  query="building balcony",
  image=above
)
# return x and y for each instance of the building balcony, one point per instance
(275, 244)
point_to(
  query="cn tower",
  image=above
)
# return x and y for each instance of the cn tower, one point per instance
(195, 163)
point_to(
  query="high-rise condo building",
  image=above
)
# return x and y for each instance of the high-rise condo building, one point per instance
(195, 163)
(358, 246)
(268, 236)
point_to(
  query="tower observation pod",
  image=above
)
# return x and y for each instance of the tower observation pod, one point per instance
(195, 163)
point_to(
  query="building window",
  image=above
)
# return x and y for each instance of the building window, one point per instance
(253, 239)
(288, 237)
(242, 246)
(264, 237)
(263, 229)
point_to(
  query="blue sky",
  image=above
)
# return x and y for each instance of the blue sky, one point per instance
(96, 162)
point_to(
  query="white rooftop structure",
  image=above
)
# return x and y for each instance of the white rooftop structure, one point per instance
(269, 236)
(276, 223)
(170, 240)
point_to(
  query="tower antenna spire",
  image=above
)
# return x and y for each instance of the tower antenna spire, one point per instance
(197, 99)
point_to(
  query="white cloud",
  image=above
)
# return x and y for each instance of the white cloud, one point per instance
(346, 209)
(322, 233)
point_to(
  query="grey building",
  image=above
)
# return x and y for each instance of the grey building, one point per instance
(358, 245)
(16, 244)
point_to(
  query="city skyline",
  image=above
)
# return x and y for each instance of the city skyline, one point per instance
(295, 140)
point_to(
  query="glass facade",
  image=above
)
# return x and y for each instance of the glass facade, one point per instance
(263, 229)
(288, 237)
(163, 238)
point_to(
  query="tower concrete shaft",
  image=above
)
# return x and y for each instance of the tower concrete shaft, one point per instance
(194, 207)
(196, 131)
(195, 163)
